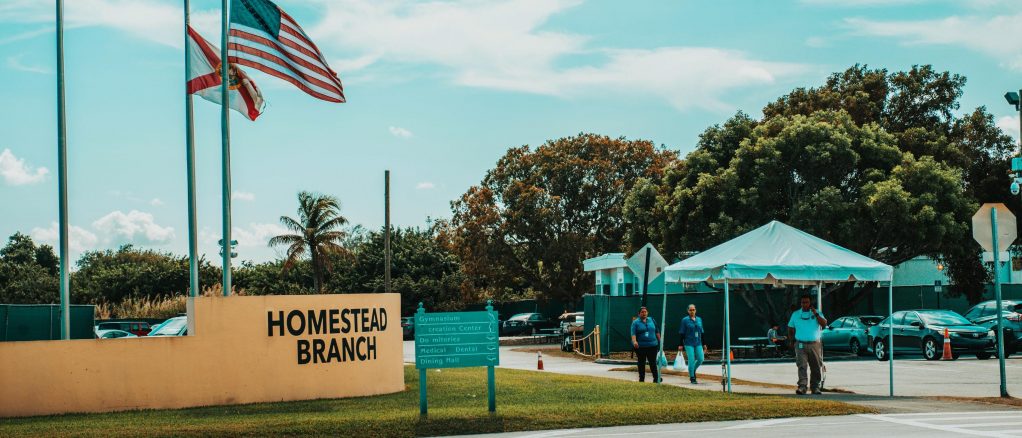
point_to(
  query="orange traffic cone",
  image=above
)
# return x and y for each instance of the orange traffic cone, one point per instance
(731, 354)
(539, 356)
(947, 347)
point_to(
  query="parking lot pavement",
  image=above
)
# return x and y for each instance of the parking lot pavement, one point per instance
(987, 424)
(964, 377)
(868, 377)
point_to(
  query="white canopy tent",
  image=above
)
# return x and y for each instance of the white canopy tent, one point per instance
(778, 254)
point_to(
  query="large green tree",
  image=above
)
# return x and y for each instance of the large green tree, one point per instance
(877, 162)
(317, 231)
(28, 273)
(111, 276)
(539, 212)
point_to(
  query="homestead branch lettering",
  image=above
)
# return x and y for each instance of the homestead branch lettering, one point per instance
(359, 325)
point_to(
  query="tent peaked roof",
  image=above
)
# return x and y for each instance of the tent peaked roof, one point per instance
(777, 253)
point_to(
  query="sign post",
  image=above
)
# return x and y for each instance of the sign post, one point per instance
(996, 232)
(457, 340)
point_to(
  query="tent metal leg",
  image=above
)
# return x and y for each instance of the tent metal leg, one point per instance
(727, 333)
(819, 297)
(890, 334)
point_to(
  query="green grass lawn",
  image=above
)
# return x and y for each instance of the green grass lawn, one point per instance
(526, 400)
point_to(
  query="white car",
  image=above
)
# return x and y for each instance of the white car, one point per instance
(113, 334)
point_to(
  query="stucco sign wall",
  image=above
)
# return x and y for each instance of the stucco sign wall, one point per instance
(243, 350)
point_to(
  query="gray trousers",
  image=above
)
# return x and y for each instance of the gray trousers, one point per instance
(809, 356)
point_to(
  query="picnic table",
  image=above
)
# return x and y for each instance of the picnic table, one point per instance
(755, 343)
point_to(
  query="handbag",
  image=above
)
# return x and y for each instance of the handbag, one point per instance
(680, 364)
(661, 359)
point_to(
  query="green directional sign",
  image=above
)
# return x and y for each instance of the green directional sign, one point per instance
(457, 340)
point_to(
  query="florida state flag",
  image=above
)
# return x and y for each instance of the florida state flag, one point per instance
(204, 78)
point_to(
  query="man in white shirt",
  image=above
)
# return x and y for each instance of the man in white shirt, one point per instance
(805, 329)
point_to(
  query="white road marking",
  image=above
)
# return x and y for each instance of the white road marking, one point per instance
(554, 433)
(717, 429)
(983, 417)
(766, 423)
(944, 414)
(956, 429)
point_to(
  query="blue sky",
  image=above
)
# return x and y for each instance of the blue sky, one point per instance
(437, 91)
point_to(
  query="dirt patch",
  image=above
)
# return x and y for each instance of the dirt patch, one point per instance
(1007, 401)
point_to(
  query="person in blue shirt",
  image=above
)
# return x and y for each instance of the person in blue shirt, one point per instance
(692, 340)
(646, 340)
(805, 329)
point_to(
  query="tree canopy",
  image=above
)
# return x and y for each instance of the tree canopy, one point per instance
(539, 212)
(874, 161)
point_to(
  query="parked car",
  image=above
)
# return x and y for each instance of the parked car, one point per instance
(572, 324)
(983, 315)
(408, 327)
(113, 334)
(922, 331)
(137, 328)
(848, 333)
(176, 326)
(526, 324)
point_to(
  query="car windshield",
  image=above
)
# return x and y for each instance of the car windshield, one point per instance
(943, 318)
(521, 316)
(172, 327)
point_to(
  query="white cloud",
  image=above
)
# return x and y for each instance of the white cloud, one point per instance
(425, 186)
(479, 46)
(243, 196)
(156, 202)
(154, 20)
(999, 37)
(1009, 124)
(79, 239)
(16, 172)
(816, 42)
(14, 63)
(399, 132)
(118, 228)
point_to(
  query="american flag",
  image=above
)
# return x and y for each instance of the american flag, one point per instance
(264, 37)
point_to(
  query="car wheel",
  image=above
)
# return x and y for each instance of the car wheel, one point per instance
(955, 356)
(880, 350)
(566, 344)
(855, 347)
(930, 349)
(532, 331)
(983, 355)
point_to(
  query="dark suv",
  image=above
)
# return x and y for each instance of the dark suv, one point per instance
(983, 314)
(526, 324)
(922, 331)
(137, 328)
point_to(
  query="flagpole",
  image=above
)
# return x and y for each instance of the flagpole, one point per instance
(193, 241)
(225, 130)
(65, 283)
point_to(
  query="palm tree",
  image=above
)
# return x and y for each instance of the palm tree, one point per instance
(316, 231)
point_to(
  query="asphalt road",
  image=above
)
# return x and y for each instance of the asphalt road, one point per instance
(990, 423)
